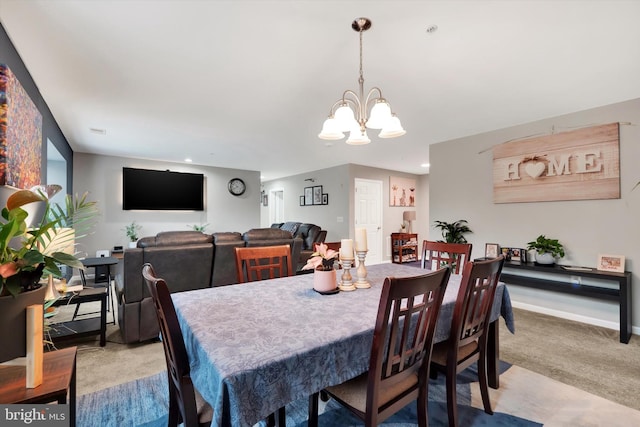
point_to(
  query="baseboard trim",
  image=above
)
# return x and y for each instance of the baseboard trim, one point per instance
(572, 316)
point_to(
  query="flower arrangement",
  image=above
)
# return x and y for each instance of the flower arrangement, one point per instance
(322, 259)
(32, 252)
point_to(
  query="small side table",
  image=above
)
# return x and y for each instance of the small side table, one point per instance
(82, 327)
(106, 262)
(58, 380)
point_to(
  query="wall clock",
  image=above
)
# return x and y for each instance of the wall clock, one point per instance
(237, 186)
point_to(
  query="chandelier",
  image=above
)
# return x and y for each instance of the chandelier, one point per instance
(351, 112)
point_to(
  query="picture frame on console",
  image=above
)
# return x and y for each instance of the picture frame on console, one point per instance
(491, 250)
(611, 263)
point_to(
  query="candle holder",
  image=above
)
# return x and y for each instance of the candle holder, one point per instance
(346, 281)
(361, 271)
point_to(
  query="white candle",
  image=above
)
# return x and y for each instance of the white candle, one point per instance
(346, 248)
(361, 239)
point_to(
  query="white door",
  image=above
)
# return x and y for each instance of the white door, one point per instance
(276, 206)
(368, 214)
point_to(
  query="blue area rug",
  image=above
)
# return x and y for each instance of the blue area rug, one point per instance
(145, 403)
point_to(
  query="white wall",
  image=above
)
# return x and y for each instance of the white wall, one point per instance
(461, 188)
(101, 176)
(334, 182)
(339, 183)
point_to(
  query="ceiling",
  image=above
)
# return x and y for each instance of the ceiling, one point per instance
(248, 84)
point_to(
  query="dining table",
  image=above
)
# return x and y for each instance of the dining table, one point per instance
(254, 347)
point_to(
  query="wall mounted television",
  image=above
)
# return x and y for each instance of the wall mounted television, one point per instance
(147, 189)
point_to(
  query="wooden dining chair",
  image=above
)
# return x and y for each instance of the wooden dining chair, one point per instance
(438, 254)
(185, 403)
(467, 341)
(399, 364)
(263, 262)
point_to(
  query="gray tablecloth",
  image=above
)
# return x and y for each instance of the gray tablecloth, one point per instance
(255, 347)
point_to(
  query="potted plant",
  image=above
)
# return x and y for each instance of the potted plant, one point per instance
(547, 250)
(453, 232)
(26, 253)
(324, 275)
(201, 228)
(131, 231)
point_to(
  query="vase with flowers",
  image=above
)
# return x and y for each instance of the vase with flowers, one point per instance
(29, 249)
(324, 275)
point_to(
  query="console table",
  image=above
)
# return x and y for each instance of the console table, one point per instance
(622, 295)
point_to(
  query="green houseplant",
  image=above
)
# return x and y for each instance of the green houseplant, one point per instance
(27, 253)
(131, 231)
(547, 250)
(453, 232)
(35, 251)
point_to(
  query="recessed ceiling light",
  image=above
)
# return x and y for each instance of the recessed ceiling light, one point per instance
(98, 131)
(425, 165)
(188, 160)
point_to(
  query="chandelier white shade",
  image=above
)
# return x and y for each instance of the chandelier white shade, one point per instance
(355, 113)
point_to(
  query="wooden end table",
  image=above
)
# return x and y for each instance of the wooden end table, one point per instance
(58, 381)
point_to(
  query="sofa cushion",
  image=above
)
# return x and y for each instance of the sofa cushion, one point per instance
(173, 238)
(290, 226)
(266, 234)
(309, 234)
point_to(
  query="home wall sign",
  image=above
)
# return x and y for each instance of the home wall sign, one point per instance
(20, 134)
(578, 165)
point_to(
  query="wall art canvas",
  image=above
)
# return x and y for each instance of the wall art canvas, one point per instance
(402, 191)
(20, 134)
(583, 164)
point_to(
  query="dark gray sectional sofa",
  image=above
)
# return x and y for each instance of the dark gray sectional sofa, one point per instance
(187, 260)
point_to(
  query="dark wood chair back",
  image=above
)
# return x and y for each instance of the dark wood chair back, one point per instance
(263, 262)
(403, 338)
(439, 254)
(330, 245)
(467, 342)
(400, 353)
(185, 404)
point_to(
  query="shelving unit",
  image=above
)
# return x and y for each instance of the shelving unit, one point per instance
(404, 247)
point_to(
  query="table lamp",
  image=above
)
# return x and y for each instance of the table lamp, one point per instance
(409, 216)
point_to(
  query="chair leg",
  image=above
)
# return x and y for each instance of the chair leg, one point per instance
(278, 418)
(423, 402)
(174, 411)
(452, 401)
(313, 410)
(484, 385)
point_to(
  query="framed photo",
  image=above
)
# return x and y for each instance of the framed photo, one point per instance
(612, 263)
(491, 250)
(516, 254)
(325, 199)
(507, 253)
(317, 195)
(308, 196)
(402, 191)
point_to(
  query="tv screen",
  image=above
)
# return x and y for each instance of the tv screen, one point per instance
(162, 190)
